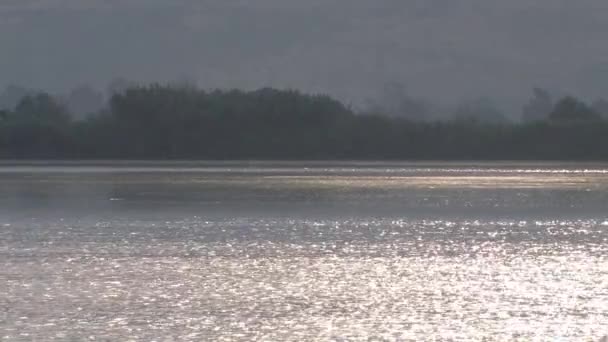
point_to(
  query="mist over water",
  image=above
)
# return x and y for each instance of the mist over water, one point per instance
(297, 251)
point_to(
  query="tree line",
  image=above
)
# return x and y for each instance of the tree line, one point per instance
(184, 122)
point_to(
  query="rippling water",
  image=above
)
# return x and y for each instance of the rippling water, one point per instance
(303, 251)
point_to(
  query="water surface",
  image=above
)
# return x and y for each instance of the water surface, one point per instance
(292, 251)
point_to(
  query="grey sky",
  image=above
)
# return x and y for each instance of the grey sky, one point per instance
(450, 49)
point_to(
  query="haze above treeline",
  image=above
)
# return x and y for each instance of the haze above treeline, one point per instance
(181, 121)
(448, 52)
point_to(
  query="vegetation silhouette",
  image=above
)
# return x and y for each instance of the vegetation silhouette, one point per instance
(184, 122)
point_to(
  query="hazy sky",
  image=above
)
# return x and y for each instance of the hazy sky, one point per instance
(451, 49)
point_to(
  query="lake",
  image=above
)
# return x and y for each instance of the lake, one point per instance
(303, 251)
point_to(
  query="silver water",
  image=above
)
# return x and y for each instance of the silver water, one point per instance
(303, 251)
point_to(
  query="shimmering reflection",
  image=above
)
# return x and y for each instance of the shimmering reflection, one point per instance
(148, 262)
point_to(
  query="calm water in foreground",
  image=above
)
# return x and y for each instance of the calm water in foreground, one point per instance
(303, 251)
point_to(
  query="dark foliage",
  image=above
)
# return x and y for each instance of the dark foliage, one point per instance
(571, 109)
(165, 122)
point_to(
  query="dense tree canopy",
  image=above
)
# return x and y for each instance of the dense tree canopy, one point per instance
(183, 122)
(38, 127)
(571, 109)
